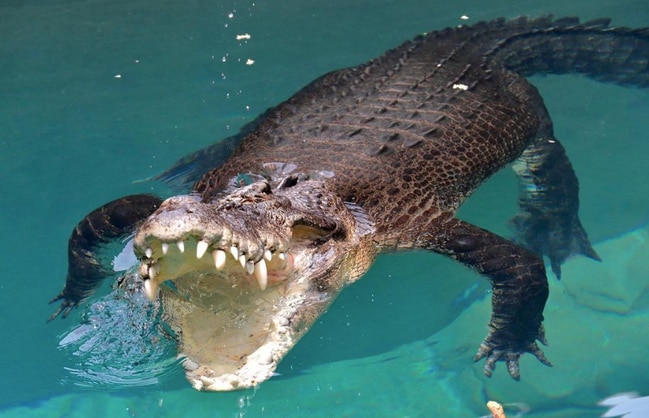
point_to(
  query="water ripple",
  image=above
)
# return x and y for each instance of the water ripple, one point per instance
(122, 342)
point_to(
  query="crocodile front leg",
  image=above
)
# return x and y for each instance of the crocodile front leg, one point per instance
(520, 290)
(104, 224)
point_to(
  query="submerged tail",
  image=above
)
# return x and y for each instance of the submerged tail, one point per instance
(548, 221)
(612, 54)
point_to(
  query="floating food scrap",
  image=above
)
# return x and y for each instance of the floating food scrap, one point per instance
(496, 409)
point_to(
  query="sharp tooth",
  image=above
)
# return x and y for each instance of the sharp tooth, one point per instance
(201, 248)
(235, 252)
(282, 256)
(250, 267)
(144, 270)
(165, 248)
(243, 260)
(153, 271)
(219, 259)
(148, 252)
(268, 255)
(261, 273)
(181, 246)
(151, 289)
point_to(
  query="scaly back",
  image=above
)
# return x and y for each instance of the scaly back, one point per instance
(412, 133)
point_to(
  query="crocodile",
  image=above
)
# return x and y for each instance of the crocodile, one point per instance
(275, 221)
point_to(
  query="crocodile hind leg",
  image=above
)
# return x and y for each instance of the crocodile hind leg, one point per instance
(104, 224)
(547, 222)
(519, 283)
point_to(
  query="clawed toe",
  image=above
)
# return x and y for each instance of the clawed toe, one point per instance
(509, 356)
(511, 360)
(64, 308)
(490, 363)
(538, 353)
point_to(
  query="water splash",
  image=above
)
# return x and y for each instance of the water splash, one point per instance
(122, 341)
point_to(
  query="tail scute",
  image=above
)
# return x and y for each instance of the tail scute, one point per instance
(612, 54)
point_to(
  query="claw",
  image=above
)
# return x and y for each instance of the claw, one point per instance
(490, 363)
(541, 336)
(483, 351)
(538, 353)
(512, 365)
(510, 356)
(64, 309)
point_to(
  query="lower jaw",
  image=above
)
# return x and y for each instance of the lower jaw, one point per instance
(235, 338)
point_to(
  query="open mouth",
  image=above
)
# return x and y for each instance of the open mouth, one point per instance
(242, 278)
(236, 306)
(228, 264)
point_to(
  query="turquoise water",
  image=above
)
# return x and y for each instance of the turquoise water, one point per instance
(97, 94)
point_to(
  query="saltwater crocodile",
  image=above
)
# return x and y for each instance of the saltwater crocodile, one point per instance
(367, 159)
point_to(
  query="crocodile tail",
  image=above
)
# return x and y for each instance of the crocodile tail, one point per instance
(612, 54)
(101, 226)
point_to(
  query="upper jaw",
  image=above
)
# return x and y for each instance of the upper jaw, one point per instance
(184, 226)
(174, 260)
(252, 226)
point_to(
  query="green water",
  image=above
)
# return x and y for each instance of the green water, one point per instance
(97, 94)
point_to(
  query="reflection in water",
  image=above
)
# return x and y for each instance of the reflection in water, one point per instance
(121, 342)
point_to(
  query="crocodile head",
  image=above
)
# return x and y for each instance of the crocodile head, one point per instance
(243, 277)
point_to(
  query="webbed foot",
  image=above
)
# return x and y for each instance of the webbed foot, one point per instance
(68, 303)
(495, 349)
(548, 222)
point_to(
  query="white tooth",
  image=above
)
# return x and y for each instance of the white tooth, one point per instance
(143, 270)
(148, 252)
(261, 273)
(250, 267)
(165, 248)
(153, 271)
(219, 259)
(181, 246)
(201, 248)
(243, 260)
(235, 252)
(282, 256)
(151, 289)
(268, 255)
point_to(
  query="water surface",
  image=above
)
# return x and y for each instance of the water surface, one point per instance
(97, 94)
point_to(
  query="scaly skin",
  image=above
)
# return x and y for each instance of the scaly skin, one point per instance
(375, 158)
(112, 220)
(276, 252)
